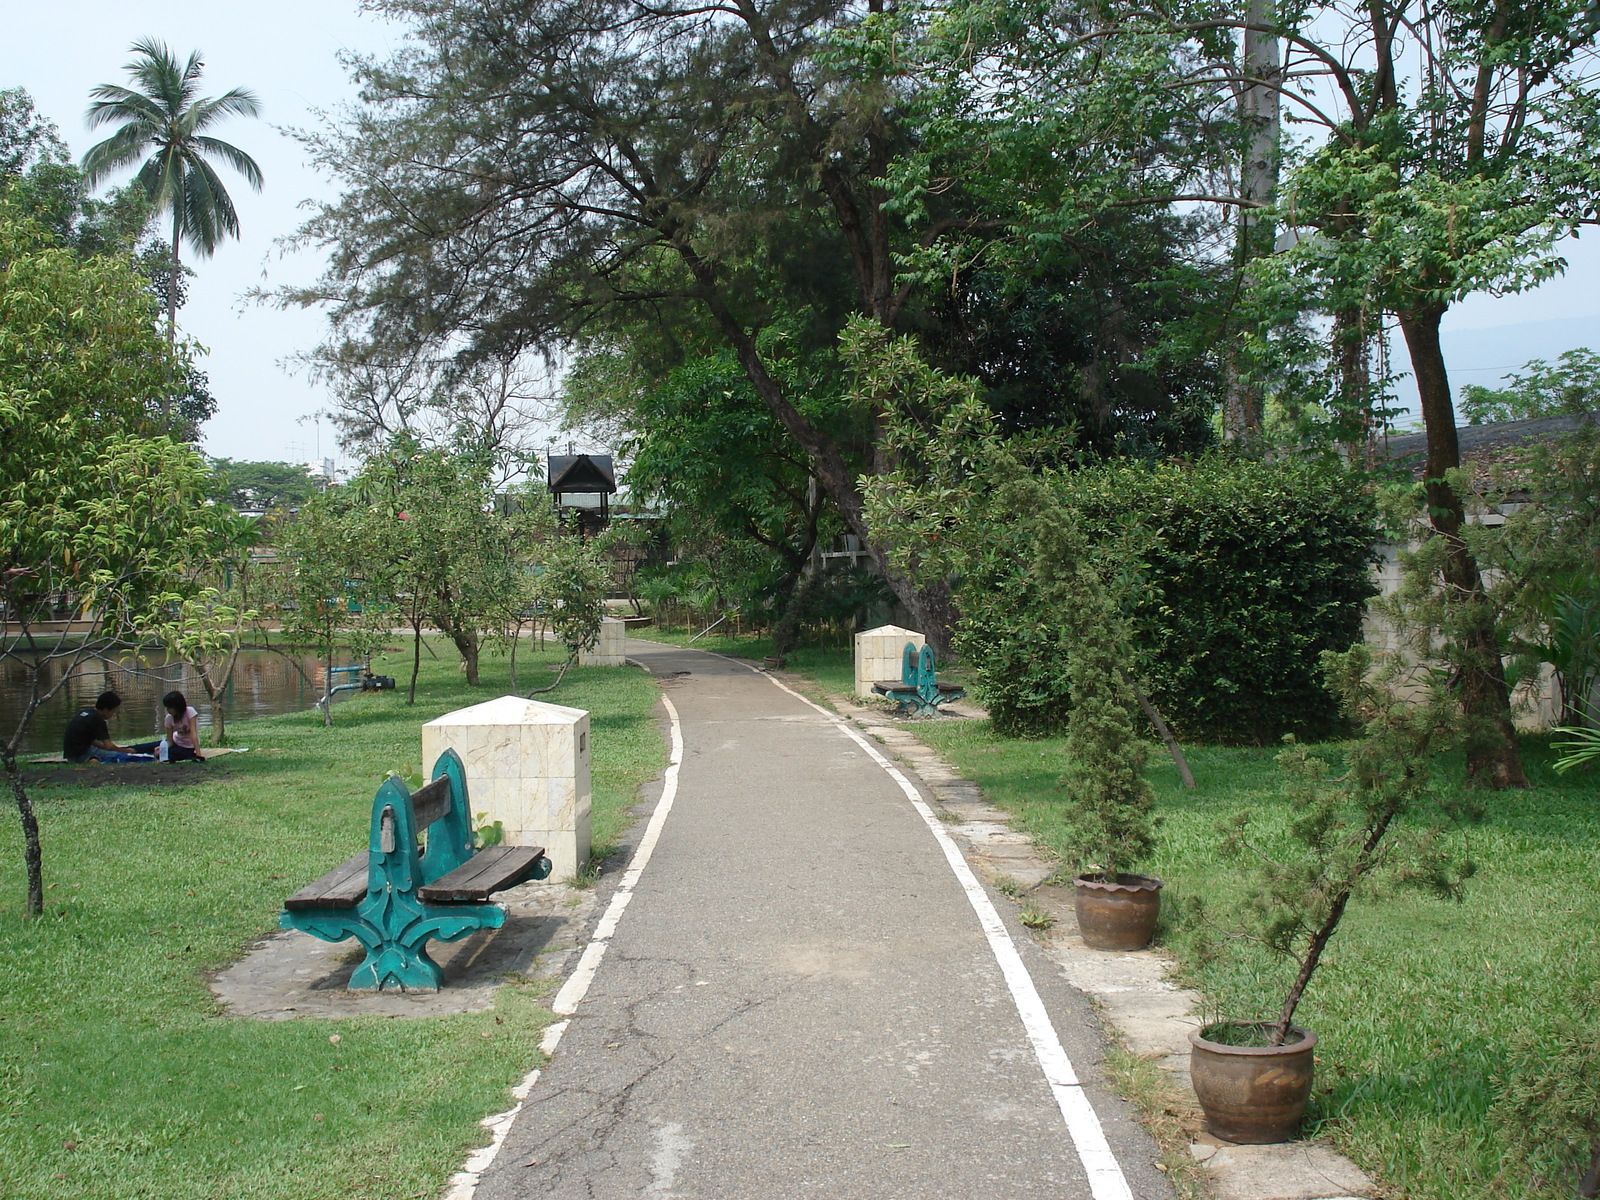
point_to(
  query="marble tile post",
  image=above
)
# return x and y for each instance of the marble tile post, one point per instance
(607, 651)
(879, 654)
(527, 767)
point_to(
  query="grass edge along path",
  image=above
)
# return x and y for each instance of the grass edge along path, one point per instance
(119, 1074)
(1418, 998)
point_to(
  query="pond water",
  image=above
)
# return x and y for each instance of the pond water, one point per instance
(264, 683)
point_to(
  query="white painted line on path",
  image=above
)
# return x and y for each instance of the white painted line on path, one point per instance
(1106, 1180)
(464, 1183)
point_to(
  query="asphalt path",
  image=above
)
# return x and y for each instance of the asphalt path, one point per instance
(800, 997)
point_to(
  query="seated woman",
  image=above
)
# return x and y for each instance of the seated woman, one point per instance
(88, 737)
(182, 724)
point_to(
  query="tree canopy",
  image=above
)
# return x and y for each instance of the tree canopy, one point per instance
(690, 178)
(1079, 209)
(163, 116)
(99, 515)
(260, 486)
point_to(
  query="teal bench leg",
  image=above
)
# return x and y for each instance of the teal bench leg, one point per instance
(394, 929)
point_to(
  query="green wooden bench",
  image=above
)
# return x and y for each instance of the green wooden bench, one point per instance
(918, 691)
(393, 897)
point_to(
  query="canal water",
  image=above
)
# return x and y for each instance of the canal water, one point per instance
(264, 683)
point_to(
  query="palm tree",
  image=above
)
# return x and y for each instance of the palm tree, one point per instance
(161, 115)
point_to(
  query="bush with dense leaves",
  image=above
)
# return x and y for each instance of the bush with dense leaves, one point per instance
(1237, 574)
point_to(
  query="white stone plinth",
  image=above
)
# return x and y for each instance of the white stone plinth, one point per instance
(880, 653)
(527, 767)
(607, 651)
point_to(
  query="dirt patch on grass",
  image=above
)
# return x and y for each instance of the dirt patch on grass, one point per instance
(145, 775)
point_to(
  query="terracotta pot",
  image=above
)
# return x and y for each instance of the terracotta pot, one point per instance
(1117, 913)
(1253, 1094)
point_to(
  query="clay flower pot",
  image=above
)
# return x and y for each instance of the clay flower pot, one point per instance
(1117, 912)
(1252, 1094)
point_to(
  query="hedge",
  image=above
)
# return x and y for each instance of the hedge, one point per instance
(1248, 571)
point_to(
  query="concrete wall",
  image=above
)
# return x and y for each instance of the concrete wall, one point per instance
(1535, 704)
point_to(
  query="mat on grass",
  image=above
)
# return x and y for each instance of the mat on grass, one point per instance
(212, 752)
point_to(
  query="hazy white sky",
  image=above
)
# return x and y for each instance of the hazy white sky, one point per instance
(287, 52)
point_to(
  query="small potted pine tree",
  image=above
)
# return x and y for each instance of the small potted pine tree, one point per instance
(1108, 801)
(1253, 1078)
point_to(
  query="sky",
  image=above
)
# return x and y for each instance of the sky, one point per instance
(288, 51)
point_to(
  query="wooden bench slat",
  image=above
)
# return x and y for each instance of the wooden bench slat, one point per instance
(341, 887)
(430, 802)
(487, 872)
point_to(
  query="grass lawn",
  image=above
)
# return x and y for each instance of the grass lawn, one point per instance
(1417, 999)
(119, 1075)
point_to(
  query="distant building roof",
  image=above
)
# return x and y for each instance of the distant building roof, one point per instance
(1482, 446)
(581, 473)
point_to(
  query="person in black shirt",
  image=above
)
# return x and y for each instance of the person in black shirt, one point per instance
(88, 737)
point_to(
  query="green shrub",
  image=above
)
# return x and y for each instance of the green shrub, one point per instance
(1549, 1110)
(1235, 575)
(1243, 574)
(1103, 789)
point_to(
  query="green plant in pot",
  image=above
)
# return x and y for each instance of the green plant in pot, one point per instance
(1107, 797)
(1380, 821)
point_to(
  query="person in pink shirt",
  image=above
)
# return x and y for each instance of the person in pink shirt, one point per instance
(182, 726)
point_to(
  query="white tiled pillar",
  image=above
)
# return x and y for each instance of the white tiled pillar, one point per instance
(607, 651)
(527, 767)
(879, 653)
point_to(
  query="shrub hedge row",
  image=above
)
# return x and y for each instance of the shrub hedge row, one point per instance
(1243, 573)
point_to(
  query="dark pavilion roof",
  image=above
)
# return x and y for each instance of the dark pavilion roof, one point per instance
(1482, 446)
(581, 473)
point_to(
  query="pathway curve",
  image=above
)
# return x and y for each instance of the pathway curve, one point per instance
(804, 993)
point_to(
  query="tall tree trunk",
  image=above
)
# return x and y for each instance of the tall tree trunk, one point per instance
(416, 659)
(933, 607)
(466, 642)
(786, 630)
(172, 323)
(1351, 344)
(863, 223)
(32, 854)
(327, 687)
(933, 610)
(796, 581)
(1493, 757)
(219, 705)
(219, 717)
(1259, 112)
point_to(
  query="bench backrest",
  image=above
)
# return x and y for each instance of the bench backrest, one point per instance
(917, 668)
(398, 815)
